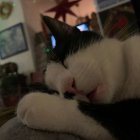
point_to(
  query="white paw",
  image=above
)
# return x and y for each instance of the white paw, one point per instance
(43, 111)
(48, 112)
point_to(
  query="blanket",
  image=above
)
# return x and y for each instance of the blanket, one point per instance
(15, 130)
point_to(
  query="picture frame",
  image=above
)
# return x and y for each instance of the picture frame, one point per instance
(123, 25)
(105, 3)
(12, 41)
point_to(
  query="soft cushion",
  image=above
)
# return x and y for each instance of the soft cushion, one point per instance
(14, 130)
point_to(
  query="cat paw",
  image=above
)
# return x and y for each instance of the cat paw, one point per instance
(27, 110)
(49, 112)
(43, 111)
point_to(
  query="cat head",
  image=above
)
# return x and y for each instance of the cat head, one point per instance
(74, 68)
(68, 39)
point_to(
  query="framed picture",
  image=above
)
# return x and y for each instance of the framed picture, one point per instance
(120, 21)
(12, 41)
(105, 3)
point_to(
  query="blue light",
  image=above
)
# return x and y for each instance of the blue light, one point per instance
(53, 41)
(83, 27)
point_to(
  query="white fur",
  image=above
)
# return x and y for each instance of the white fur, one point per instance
(99, 64)
(58, 78)
(43, 111)
(111, 64)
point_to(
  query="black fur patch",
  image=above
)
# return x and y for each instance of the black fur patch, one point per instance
(73, 42)
(68, 95)
(122, 119)
(68, 39)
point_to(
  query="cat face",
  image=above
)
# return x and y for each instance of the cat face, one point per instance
(74, 69)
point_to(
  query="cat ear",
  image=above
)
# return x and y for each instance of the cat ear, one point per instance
(59, 29)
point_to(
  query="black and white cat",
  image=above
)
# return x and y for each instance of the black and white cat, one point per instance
(101, 74)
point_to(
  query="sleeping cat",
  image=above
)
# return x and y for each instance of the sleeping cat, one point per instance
(102, 77)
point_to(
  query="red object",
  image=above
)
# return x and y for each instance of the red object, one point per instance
(37, 77)
(122, 22)
(63, 8)
(10, 100)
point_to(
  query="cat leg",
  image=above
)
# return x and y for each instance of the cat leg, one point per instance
(48, 112)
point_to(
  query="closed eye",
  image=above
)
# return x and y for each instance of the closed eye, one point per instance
(65, 64)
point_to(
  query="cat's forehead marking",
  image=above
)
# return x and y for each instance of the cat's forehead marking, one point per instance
(75, 42)
(68, 39)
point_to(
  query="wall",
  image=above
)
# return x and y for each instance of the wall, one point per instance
(32, 11)
(25, 59)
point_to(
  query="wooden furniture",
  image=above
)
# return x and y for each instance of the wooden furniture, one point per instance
(13, 87)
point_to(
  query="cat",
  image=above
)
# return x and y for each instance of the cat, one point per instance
(102, 77)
